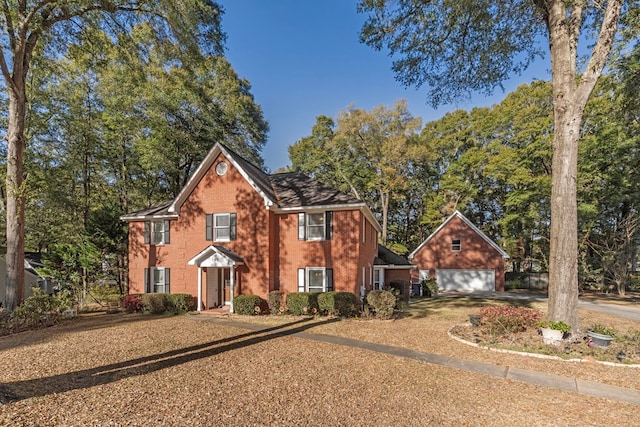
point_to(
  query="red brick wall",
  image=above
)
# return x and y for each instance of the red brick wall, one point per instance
(398, 274)
(345, 253)
(214, 194)
(476, 253)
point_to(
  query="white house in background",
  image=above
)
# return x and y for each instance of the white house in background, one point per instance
(31, 280)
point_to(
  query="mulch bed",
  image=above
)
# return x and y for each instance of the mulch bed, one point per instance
(530, 341)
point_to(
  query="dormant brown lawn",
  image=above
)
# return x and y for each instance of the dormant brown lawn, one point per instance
(141, 370)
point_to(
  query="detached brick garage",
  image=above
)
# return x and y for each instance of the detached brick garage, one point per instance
(460, 257)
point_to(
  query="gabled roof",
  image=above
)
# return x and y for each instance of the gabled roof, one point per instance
(470, 224)
(386, 257)
(258, 179)
(216, 255)
(281, 192)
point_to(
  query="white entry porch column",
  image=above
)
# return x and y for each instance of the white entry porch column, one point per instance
(199, 288)
(232, 284)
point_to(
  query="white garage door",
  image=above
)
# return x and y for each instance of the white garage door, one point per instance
(466, 280)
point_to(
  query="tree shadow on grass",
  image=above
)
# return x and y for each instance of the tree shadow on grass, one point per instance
(86, 378)
(84, 322)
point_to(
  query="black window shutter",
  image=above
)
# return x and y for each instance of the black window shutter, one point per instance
(209, 227)
(147, 232)
(329, 279)
(167, 234)
(329, 225)
(301, 226)
(167, 280)
(233, 225)
(147, 287)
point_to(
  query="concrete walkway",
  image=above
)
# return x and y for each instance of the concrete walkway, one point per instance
(575, 385)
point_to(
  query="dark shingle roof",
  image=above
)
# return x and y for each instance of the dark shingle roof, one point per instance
(157, 210)
(286, 190)
(295, 190)
(257, 175)
(388, 257)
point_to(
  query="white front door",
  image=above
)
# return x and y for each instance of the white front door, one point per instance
(213, 288)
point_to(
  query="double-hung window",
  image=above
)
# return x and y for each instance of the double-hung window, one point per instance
(315, 279)
(156, 232)
(315, 225)
(157, 280)
(456, 245)
(221, 227)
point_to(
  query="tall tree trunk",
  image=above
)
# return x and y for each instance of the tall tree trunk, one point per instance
(571, 92)
(384, 202)
(15, 195)
(563, 257)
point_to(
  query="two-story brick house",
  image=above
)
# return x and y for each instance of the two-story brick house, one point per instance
(234, 229)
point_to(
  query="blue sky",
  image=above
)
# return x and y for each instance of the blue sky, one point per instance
(303, 59)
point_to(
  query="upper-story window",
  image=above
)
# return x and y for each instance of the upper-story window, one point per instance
(221, 227)
(156, 232)
(315, 225)
(456, 245)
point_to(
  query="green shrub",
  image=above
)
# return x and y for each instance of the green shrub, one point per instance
(382, 303)
(429, 287)
(179, 303)
(337, 303)
(247, 304)
(37, 310)
(274, 300)
(104, 294)
(300, 303)
(402, 291)
(154, 303)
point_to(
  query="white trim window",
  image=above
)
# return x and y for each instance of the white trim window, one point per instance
(315, 225)
(456, 245)
(315, 279)
(156, 232)
(221, 227)
(157, 280)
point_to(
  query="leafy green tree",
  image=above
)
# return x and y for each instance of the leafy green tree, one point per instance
(608, 198)
(365, 154)
(461, 47)
(43, 30)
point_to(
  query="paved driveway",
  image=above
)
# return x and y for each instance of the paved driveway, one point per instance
(626, 311)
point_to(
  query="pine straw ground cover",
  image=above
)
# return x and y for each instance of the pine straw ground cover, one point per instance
(141, 370)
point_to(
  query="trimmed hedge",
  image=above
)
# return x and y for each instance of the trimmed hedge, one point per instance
(153, 303)
(382, 302)
(337, 303)
(247, 304)
(274, 300)
(300, 303)
(157, 303)
(180, 303)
